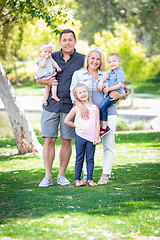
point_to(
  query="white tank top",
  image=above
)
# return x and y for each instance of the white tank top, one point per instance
(86, 128)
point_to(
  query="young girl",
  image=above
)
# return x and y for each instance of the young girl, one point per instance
(47, 68)
(87, 133)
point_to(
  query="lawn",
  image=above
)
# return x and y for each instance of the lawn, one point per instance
(126, 208)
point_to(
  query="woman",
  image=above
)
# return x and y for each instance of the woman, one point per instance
(94, 69)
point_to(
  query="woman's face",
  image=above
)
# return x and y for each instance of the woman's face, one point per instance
(94, 61)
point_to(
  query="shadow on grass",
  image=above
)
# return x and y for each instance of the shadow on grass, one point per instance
(132, 188)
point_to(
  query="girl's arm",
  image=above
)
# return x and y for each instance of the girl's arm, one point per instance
(56, 66)
(43, 62)
(69, 117)
(97, 127)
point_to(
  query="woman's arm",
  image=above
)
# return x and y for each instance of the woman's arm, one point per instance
(115, 95)
(75, 81)
(97, 127)
(83, 110)
(69, 117)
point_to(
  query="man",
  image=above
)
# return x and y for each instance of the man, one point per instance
(55, 112)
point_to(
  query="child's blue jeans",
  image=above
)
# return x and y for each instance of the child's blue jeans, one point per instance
(84, 146)
(104, 108)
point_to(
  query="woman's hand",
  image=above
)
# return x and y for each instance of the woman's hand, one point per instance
(106, 89)
(115, 95)
(100, 86)
(126, 91)
(84, 113)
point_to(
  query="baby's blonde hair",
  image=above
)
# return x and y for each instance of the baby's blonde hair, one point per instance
(81, 85)
(102, 66)
(114, 54)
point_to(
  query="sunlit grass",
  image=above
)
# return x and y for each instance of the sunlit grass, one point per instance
(126, 208)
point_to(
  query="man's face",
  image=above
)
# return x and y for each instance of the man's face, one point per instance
(67, 43)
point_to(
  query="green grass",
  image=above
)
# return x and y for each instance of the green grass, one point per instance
(126, 208)
(29, 89)
(151, 86)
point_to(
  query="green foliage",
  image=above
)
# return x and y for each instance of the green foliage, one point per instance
(123, 124)
(127, 207)
(13, 14)
(142, 16)
(135, 63)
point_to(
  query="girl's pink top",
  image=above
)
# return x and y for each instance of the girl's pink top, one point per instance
(86, 128)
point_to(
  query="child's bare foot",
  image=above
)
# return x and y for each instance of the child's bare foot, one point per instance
(56, 98)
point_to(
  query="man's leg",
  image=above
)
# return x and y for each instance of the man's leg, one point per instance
(49, 155)
(49, 125)
(65, 154)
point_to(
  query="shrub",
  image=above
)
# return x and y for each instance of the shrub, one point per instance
(123, 124)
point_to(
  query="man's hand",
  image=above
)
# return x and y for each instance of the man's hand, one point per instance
(50, 82)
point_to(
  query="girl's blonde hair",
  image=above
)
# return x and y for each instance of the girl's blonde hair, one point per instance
(81, 85)
(102, 66)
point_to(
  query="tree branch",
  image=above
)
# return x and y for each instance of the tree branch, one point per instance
(4, 15)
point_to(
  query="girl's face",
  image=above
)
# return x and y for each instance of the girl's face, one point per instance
(94, 61)
(114, 62)
(46, 52)
(82, 94)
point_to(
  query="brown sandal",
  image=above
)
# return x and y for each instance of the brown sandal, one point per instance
(103, 180)
(91, 183)
(78, 183)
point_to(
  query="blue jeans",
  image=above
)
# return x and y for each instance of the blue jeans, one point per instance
(84, 146)
(103, 109)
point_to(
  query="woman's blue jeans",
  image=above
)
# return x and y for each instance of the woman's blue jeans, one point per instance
(104, 108)
(84, 146)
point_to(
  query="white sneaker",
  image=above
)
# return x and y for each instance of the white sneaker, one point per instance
(45, 182)
(62, 181)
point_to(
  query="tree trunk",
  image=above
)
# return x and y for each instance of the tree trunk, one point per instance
(25, 137)
(132, 95)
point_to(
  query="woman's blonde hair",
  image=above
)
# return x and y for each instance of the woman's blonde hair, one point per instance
(102, 66)
(81, 85)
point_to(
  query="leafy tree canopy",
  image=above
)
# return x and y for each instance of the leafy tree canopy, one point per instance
(14, 14)
(97, 16)
(137, 66)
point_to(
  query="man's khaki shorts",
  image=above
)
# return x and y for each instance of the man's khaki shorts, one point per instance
(50, 121)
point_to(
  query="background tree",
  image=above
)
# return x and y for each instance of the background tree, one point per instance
(142, 16)
(13, 13)
(137, 66)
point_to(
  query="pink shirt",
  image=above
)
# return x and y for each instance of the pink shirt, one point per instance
(86, 128)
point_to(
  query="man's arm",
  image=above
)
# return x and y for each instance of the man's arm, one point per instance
(50, 82)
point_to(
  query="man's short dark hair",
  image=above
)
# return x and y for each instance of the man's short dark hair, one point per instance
(68, 31)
